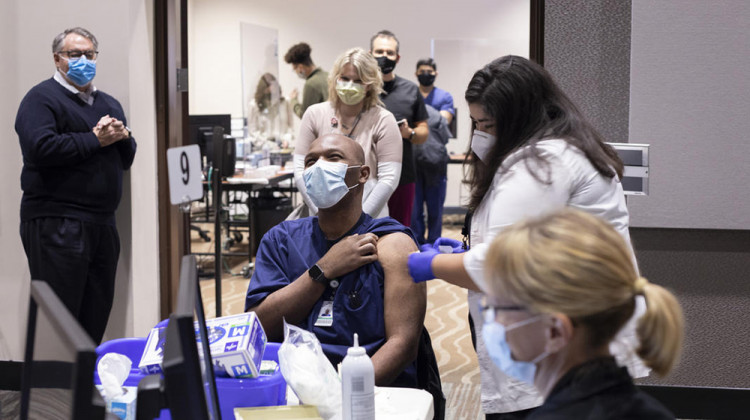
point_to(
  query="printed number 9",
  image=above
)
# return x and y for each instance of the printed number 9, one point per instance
(185, 168)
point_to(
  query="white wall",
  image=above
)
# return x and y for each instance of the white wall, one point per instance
(125, 70)
(15, 272)
(332, 26)
(689, 99)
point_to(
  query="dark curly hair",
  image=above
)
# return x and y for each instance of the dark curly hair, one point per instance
(527, 106)
(299, 54)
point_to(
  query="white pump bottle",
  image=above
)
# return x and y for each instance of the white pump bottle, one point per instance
(358, 384)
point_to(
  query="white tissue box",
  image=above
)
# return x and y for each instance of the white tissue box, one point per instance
(123, 406)
(237, 343)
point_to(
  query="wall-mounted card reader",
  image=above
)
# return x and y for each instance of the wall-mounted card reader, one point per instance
(635, 175)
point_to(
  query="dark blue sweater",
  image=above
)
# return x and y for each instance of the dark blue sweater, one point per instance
(66, 173)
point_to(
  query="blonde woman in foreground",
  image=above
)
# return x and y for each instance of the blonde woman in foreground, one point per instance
(559, 289)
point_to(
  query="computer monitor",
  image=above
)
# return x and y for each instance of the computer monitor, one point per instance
(189, 381)
(188, 386)
(201, 132)
(57, 381)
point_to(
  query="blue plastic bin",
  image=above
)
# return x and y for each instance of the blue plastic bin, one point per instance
(257, 392)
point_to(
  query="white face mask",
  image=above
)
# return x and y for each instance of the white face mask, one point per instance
(325, 182)
(481, 144)
(301, 74)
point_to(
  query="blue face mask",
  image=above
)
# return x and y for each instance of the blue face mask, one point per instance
(81, 71)
(325, 182)
(493, 334)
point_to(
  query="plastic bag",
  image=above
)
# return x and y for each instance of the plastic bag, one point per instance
(309, 373)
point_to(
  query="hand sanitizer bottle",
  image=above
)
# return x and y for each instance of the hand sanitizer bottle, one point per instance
(358, 384)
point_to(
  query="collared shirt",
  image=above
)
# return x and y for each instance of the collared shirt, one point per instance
(87, 96)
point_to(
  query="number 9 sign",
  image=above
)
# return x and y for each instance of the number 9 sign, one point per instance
(184, 165)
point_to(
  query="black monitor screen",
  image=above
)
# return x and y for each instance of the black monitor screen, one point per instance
(189, 381)
(59, 362)
(200, 130)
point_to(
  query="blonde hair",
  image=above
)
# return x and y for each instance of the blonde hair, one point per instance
(573, 263)
(367, 70)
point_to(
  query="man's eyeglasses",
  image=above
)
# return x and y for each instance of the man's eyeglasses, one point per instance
(90, 55)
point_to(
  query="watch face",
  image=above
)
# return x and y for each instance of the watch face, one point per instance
(316, 274)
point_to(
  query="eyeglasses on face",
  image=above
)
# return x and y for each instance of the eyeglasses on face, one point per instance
(490, 312)
(75, 54)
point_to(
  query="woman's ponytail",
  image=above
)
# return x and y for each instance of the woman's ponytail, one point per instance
(660, 329)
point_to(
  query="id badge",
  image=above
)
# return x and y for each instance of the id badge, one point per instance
(325, 316)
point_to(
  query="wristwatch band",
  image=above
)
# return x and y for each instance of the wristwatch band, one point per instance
(411, 136)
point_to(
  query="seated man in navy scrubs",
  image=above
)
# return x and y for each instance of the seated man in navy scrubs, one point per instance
(342, 272)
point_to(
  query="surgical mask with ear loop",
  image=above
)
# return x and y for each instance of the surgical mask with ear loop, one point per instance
(493, 334)
(349, 92)
(325, 182)
(81, 70)
(481, 144)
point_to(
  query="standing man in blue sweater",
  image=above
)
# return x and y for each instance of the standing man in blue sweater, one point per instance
(75, 145)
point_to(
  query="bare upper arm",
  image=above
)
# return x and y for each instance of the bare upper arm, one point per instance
(405, 301)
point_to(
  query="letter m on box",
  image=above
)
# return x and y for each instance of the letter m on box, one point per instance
(238, 331)
(241, 370)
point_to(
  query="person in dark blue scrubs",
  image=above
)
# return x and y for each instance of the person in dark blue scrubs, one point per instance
(342, 272)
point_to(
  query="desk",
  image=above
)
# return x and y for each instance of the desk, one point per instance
(403, 404)
(456, 158)
(253, 187)
(390, 404)
(239, 183)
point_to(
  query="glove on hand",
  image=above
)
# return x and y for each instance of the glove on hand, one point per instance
(420, 264)
(456, 246)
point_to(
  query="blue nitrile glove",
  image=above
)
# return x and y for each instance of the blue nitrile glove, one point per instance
(426, 247)
(420, 264)
(456, 246)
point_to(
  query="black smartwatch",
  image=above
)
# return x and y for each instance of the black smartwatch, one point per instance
(317, 275)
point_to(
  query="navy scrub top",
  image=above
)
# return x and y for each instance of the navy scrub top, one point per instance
(291, 248)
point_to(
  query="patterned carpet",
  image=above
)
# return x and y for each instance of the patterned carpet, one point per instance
(446, 320)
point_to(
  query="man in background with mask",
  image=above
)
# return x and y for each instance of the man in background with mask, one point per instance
(403, 99)
(434, 96)
(342, 272)
(431, 158)
(316, 80)
(75, 145)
